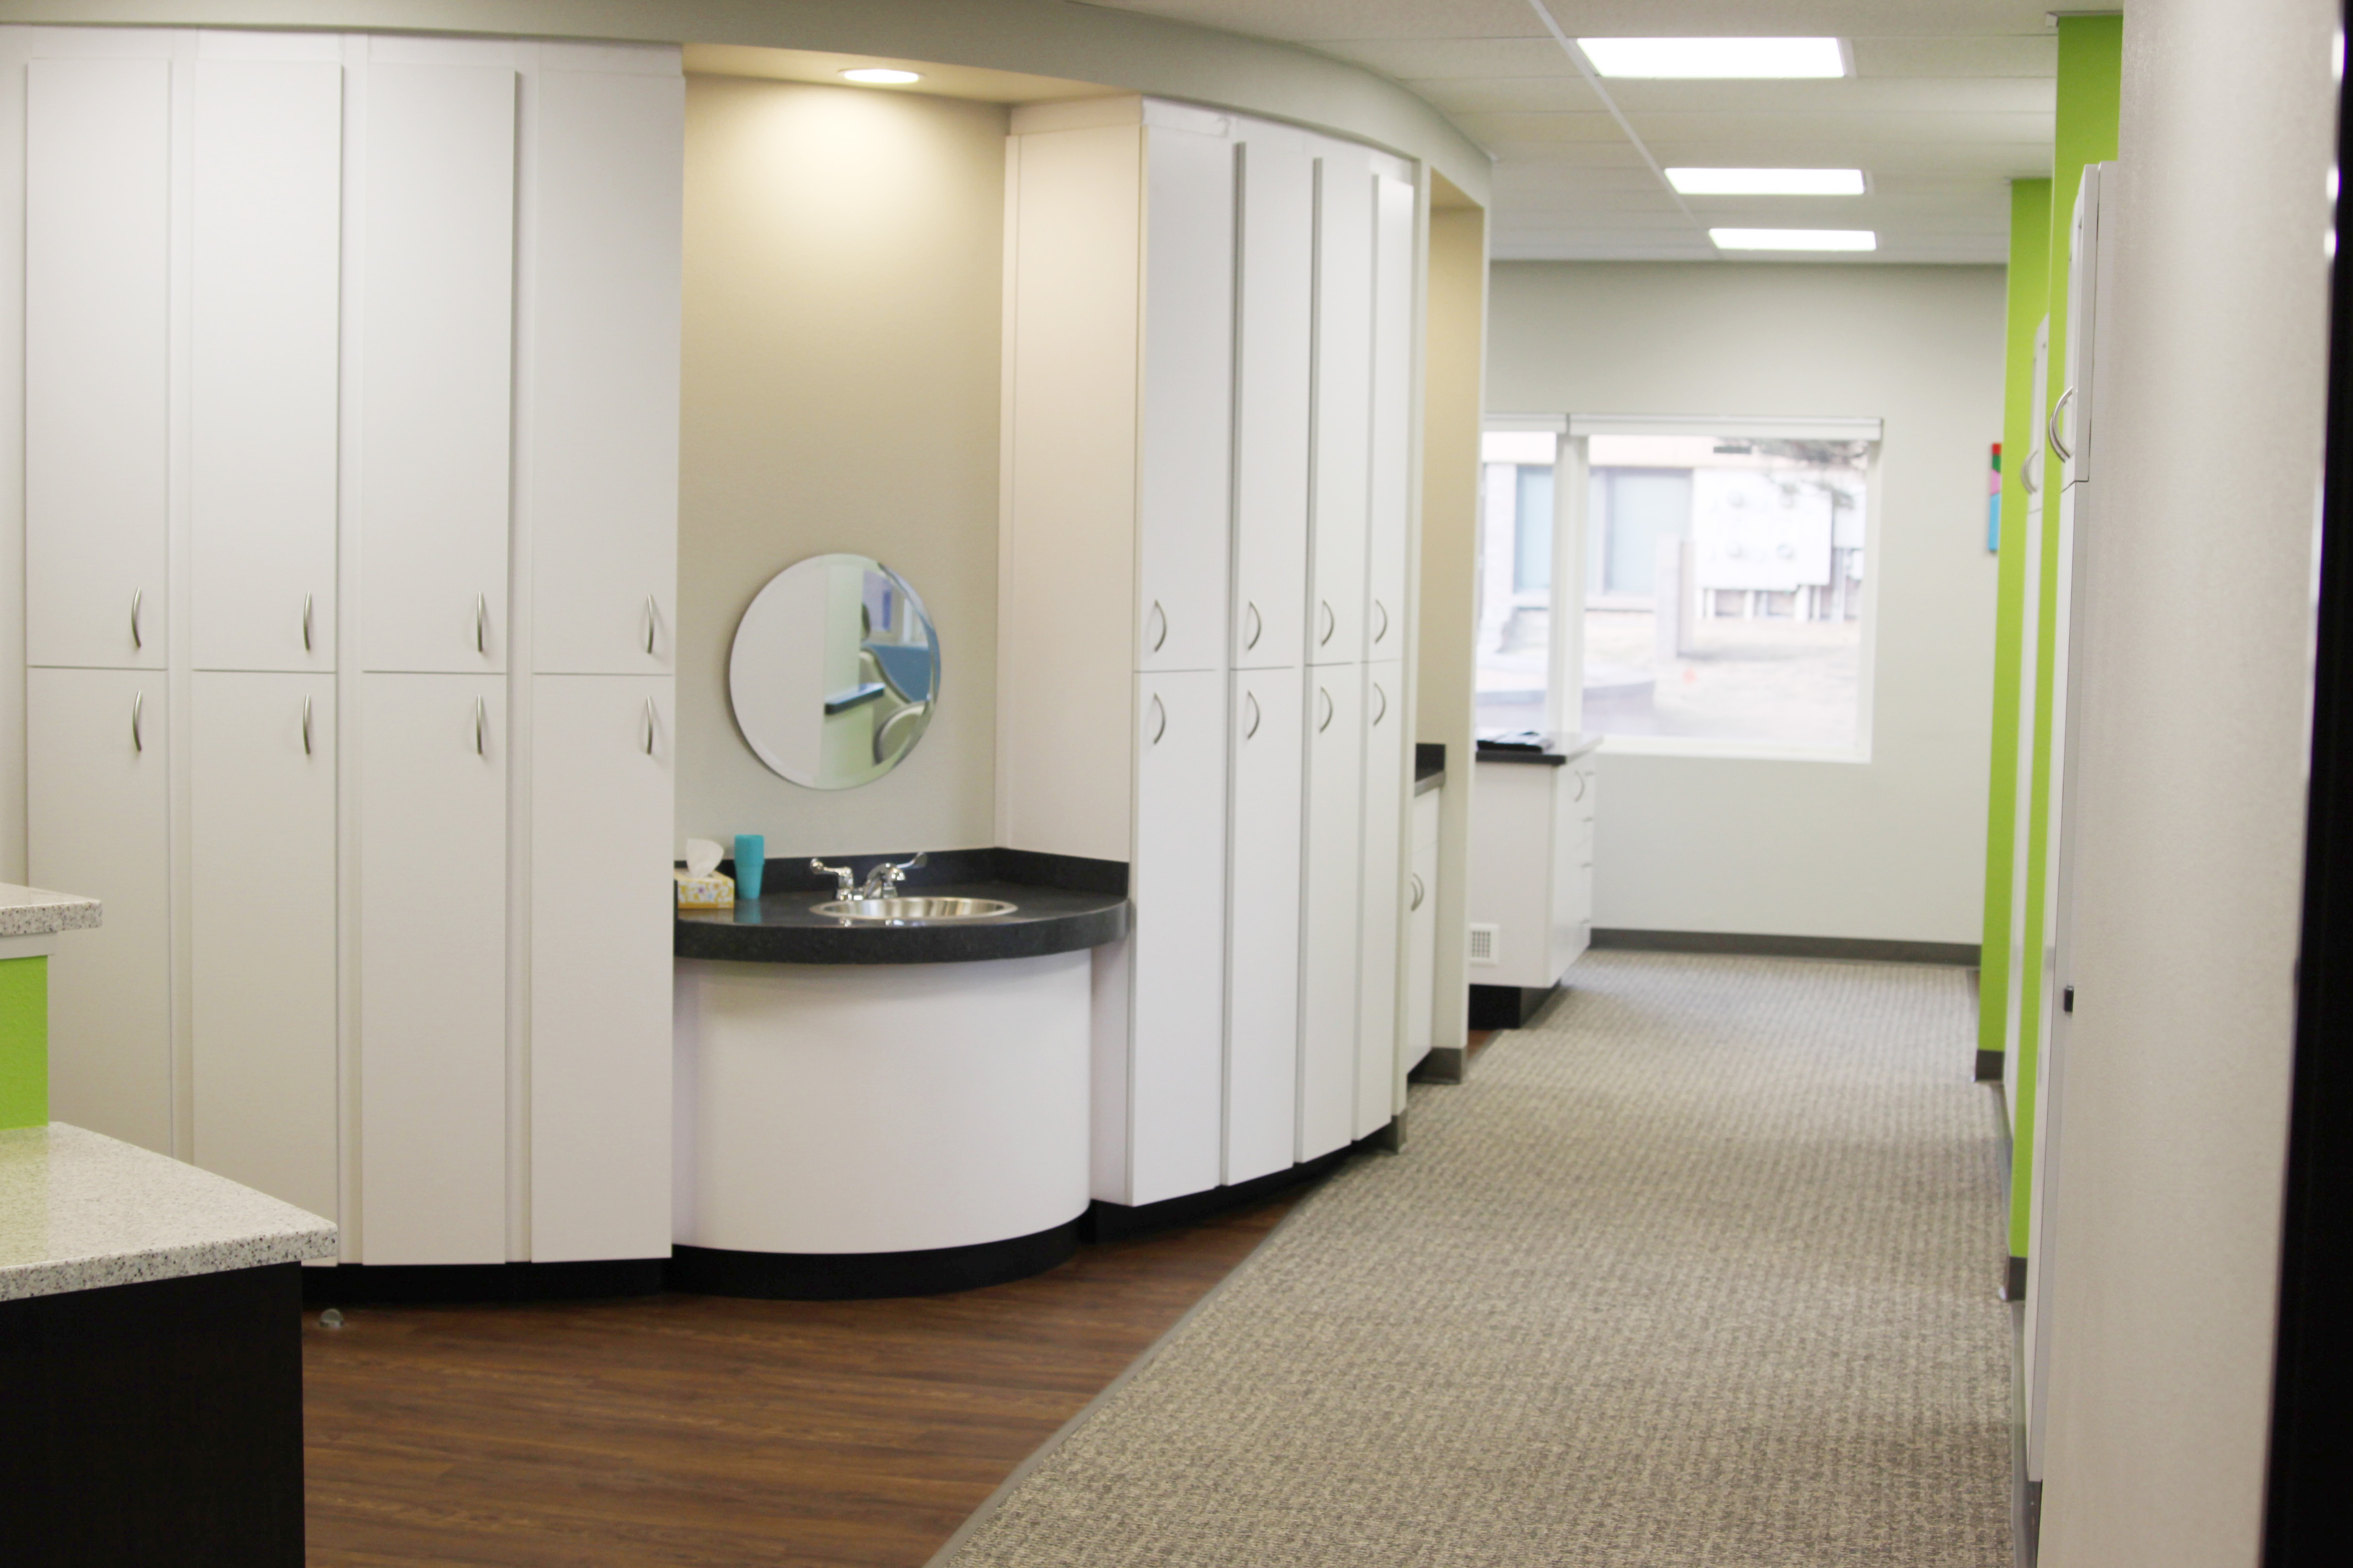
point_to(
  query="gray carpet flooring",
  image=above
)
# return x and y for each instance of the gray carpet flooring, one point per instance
(1699, 1271)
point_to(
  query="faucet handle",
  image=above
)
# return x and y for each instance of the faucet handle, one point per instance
(845, 878)
(920, 858)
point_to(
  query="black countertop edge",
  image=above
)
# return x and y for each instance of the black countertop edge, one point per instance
(780, 928)
(1033, 868)
(1558, 751)
(1425, 783)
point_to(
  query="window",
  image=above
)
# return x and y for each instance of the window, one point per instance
(1517, 523)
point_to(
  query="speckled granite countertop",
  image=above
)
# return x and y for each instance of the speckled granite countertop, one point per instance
(35, 912)
(79, 1211)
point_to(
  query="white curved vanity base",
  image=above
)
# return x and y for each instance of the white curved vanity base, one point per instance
(873, 1108)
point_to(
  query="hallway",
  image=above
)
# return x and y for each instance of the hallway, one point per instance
(1700, 1269)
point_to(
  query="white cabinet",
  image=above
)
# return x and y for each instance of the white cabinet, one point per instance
(1532, 866)
(1421, 934)
(97, 811)
(1183, 495)
(1389, 504)
(97, 144)
(1263, 924)
(1331, 893)
(267, 198)
(1343, 369)
(602, 344)
(1276, 307)
(1382, 934)
(1572, 920)
(604, 754)
(435, 286)
(262, 912)
(1176, 954)
(433, 759)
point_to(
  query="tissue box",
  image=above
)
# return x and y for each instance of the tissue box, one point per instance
(708, 892)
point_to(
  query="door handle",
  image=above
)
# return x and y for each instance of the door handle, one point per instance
(481, 726)
(649, 726)
(138, 700)
(1331, 624)
(306, 623)
(136, 596)
(649, 625)
(1579, 774)
(1325, 722)
(481, 623)
(1382, 611)
(1251, 728)
(1160, 621)
(1382, 711)
(2058, 442)
(306, 726)
(1420, 892)
(1159, 721)
(1256, 625)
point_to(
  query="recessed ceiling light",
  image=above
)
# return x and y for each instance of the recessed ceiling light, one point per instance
(1767, 181)
(1716, 58)
(881, 75)
(1794, 238)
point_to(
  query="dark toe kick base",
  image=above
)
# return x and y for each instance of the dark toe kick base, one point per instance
(862, 1276)
(428, 1284)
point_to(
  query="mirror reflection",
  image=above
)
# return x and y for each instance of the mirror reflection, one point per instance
(835, 671)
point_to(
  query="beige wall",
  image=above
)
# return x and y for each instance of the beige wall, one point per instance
(1452, 362)
(1891, 848)
(2192, 792)
(844, 263)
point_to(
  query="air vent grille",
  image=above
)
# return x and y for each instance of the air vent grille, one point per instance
(1484, 939)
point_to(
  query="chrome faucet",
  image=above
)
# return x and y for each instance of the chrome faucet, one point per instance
(845, 880)
(884, 879)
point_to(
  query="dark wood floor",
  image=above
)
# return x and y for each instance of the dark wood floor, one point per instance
(707, 1431)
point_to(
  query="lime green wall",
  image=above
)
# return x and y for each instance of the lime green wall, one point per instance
(2029, 281)
(23, 1042)
(2091, 78)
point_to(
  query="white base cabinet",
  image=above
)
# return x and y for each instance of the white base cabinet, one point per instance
(1382, 931)
(1332, 895)
(1263, 925)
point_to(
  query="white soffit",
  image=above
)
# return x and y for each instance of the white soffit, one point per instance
(1950, 101)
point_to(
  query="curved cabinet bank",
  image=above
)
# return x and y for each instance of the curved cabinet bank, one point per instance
(872, 1110)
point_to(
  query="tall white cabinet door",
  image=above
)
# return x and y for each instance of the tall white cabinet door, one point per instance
(604, 754)
(1344, 370)
(436, 282)
(261, 899)
(433, 969)
(1273, 345)
(1419, 1032)
(1383, 936)
(1262, 932)
(98, 815)
(1389, 504)
(263, 404)
(602, 296)
(1332, 889)
(98, 137)
(1184, 495)
(1177, 994)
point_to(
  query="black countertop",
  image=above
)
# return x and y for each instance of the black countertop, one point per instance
(1543, 751)
(1062, 905)
(1428, 766)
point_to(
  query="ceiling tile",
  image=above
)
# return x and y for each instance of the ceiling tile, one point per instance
(1506, 95)
(1860, 132)
(1522, 130)
(1983, 95)
(1438, 57)
(1301, 21)
(2029, 54)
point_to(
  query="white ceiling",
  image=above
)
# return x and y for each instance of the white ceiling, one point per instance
(1950, 100)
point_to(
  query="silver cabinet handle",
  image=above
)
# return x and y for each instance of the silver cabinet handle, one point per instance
(1250, 729)
(138, 700)
(1331, 624)
(306, 623)
(1256, 626)
(306, 726)
(1383, 612)
(1579, 774)
(481, 726)
(1159, 721)
(650, 624)
(1325, 722)
(2028, 470)
(1420, 892)
(2058, 442)
(649, 726)
(136, 596)
(1160, 621)
(481, 623)
(1382, 711)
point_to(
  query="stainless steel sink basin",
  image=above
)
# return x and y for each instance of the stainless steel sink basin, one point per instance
(894, 910)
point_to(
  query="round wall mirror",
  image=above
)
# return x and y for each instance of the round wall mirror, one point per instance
(835, 671)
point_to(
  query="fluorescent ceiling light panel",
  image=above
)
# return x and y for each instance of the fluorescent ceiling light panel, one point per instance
(881, 75)
(1715, 58)
(1767, 181)
(1794, 238)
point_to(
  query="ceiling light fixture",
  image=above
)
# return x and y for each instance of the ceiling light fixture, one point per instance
(1767, 181)
(1794, 238)
(881, 75)
(1715, 58)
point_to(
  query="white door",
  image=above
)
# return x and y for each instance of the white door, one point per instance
(433, 969)
(1421, 935)
(1176, 997)
(1186, 432)
(263, 401)
(261, 906)
(1344, 370)
(1262, 932)
(97, 815)
(1390, 501)
(436, 281)
(98, 138)
(602, 301)
(1332, 897)
(604, 759)
(1273, 342)
(1383, 934)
